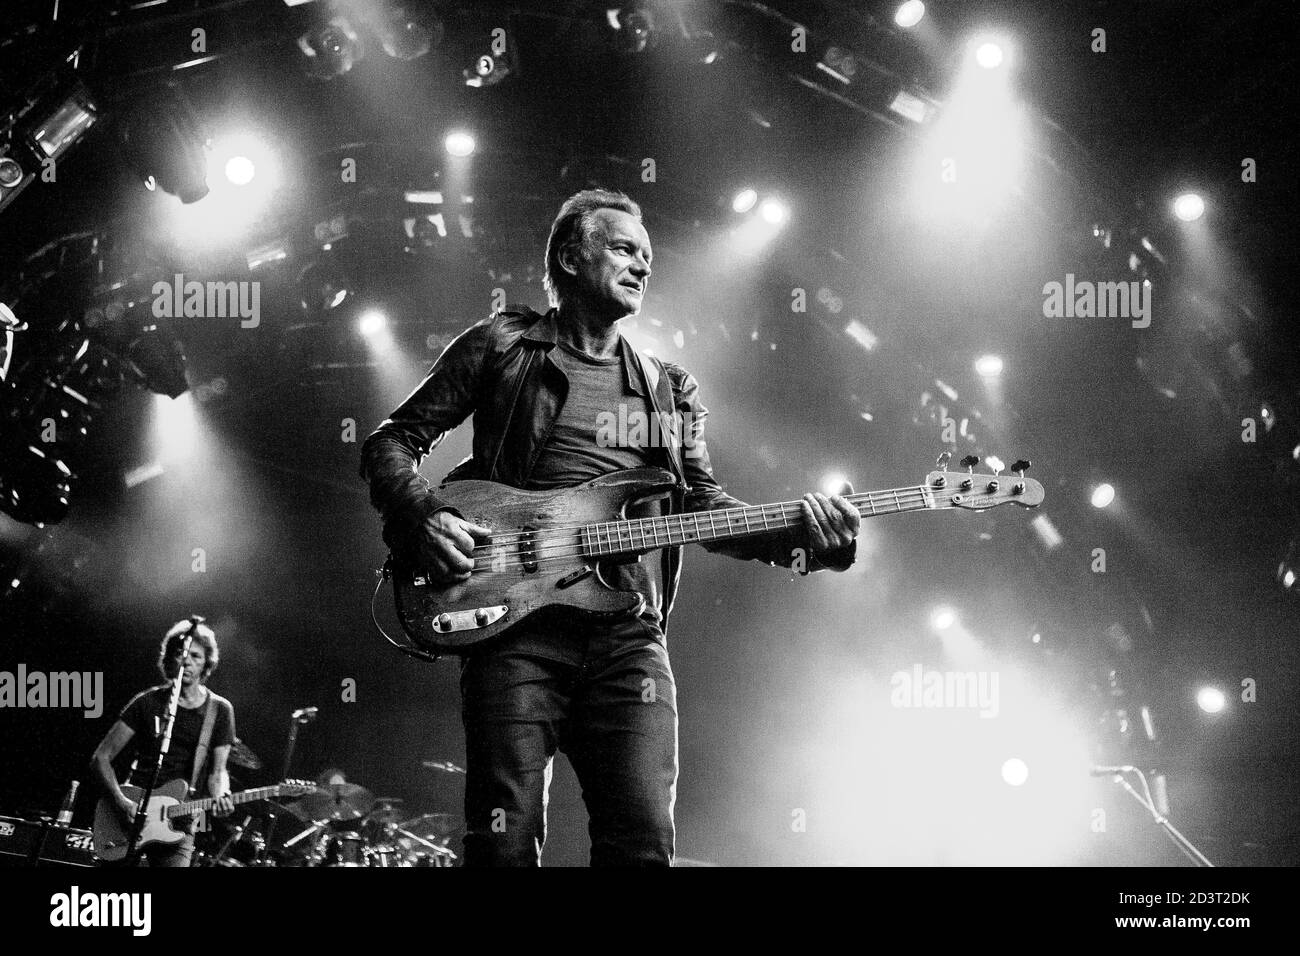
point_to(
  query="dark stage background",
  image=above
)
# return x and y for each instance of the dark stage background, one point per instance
(783, 683)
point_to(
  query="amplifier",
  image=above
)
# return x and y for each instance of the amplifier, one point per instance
(64, 846)
(30, 842)
(19, 841)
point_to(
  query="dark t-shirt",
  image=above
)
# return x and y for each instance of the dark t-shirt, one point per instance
(594, 436)
(140, 716)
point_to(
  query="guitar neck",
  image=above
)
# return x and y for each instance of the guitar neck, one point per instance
(637, 535)
(244, 796)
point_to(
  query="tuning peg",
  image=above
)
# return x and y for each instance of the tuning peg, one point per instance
(1019, 467)
(970, 461)
(942, 461)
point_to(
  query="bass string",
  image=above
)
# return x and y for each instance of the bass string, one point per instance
(788, 510)
(575, 548)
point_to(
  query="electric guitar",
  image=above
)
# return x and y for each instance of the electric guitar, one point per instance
(112, 832)
(547, 547)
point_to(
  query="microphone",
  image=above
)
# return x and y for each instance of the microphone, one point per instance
(1109, 771)
(304, 714)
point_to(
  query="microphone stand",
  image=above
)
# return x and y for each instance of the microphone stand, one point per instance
(141, 808)
(294, 721)
(1180, 841)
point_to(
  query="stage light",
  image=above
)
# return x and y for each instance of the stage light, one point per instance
(60, 128)
(240, 170)
(331, 49)
(989, 55)
(322, 287)
(943, 618)
(909, 14)
(1288, 578)
(175, 428)
(1015, 772)
(744, 201)
(372, 322)
(14, 178)
(408, 33)
(862, 335)
(909, 107)
(636, 28)
(773, 212)
(165, 146)
(833, 484)
(1210, 700)
(1189, 207)
(459, 143)
(1103, 495)
(11, 174)
(989, 366)
(158, 360)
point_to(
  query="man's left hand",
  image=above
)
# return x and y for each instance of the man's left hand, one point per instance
(224, 806)
(831, 522)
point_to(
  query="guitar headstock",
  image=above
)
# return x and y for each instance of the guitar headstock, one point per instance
(965, 489)
(295, 788)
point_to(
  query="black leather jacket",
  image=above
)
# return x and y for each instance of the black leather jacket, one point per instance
(500, 370)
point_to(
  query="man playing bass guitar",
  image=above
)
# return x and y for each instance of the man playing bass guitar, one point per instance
(538, 387)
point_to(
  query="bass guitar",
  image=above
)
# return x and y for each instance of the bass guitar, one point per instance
(547, 547)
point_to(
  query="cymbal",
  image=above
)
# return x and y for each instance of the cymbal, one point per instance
(339, 801)
(433, 826)
(241, 755)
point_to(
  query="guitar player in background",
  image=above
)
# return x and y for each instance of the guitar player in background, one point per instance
(536, 385)
(204, 728)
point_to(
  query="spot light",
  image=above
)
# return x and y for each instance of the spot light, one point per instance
(745, 200)
(909, 14)
(1210, 699)
(1015, 772)
(372, 322)
(989, 366)
(943, 618)
(773, 212)
(989, 55)
(240, 170)
(1103, 495)
(459, 143)
(1189, 207)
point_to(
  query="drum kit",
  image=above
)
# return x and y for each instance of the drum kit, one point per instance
(339, 825)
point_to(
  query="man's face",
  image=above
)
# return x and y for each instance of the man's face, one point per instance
(193, 669)
(613, 269)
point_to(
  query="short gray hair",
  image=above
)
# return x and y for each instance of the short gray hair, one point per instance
(573, 225)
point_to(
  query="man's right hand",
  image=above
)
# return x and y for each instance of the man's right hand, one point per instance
(445, 544)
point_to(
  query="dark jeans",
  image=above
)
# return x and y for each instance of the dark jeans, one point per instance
(605, 697)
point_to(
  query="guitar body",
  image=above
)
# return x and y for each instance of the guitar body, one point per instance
(524, 573)
(112, 834)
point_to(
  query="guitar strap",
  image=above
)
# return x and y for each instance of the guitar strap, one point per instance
(205, 740)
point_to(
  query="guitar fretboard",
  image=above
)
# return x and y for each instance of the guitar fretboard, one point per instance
(244, 796)
(644, 534)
